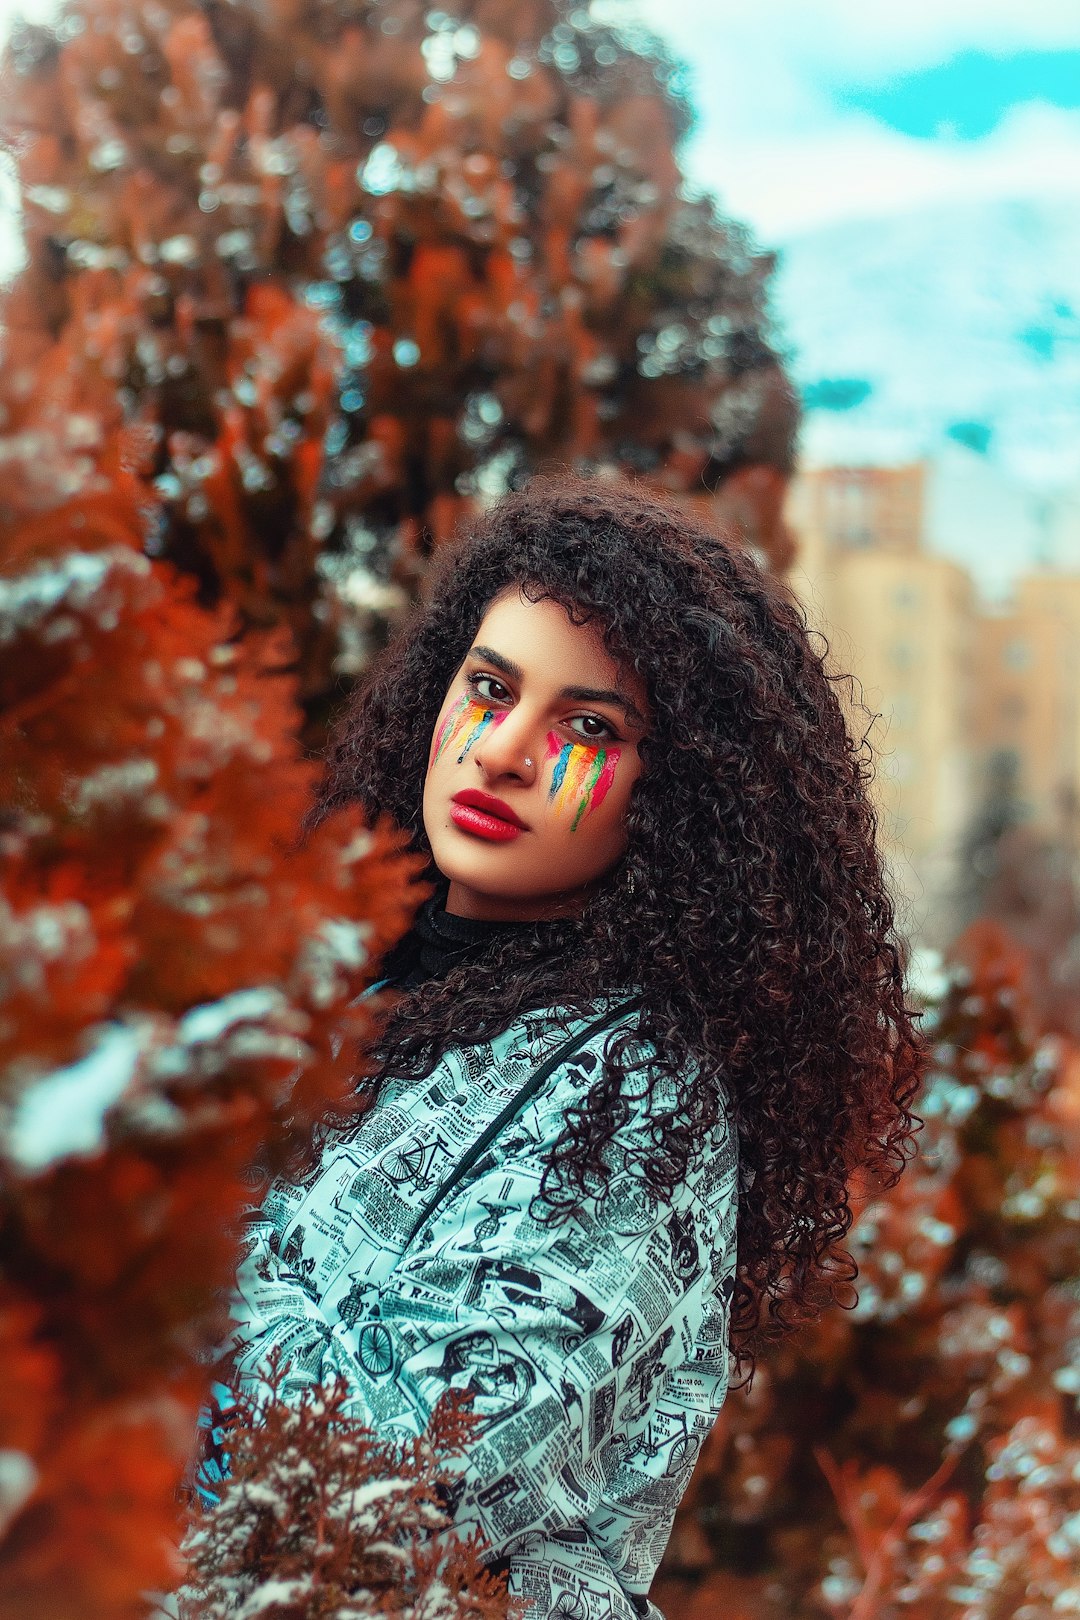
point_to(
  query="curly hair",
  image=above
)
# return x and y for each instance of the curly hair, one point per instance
(750, 905)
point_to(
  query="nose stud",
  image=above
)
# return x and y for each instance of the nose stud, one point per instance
(528, 762)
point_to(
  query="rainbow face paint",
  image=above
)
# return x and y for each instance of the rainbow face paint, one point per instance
(450, 722)
(582, 775)
(468, 719)
(487, 718)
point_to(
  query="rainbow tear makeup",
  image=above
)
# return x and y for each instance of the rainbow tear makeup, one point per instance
(582, 774)
(468, 719)
(479, 727)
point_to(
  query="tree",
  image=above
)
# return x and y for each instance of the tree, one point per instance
(1001, 812)
(919, 1456)
(176, 993)
(303, 282)
(318, 1517)
(1026, 877)
(323, 275)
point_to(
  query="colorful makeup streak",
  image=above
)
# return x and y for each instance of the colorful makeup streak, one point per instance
(466, 717)
(581, 774)
(450, 725)
(479, 727)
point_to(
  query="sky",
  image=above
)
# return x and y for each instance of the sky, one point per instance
(812, 112)
(917, 166)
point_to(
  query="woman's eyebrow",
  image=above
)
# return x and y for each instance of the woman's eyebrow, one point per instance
(578, 694)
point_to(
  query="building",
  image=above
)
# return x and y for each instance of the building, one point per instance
(903, 623)
(977, 703)
(845, 509)
(1028, 710)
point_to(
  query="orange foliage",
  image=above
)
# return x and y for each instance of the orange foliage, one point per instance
(323, 278)
(319, 1517)
(176, 989)
(916, 1457)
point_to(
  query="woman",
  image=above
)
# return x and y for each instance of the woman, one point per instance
(649, 1023)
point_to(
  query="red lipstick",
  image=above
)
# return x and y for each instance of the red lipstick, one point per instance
(485, 816)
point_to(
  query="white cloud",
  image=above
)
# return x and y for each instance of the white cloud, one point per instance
(784, 153)
(854, 167)
(845, 38)
(33, 11)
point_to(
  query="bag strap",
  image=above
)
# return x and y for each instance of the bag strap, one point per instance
(518, 1101)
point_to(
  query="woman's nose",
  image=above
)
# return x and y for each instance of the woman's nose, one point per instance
(510, 745)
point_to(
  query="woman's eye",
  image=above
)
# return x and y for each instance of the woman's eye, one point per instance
(606, 733)
(477, 681)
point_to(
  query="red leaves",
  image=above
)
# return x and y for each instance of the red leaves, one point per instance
(879, 1514)
(242, 281)
(176, 989)
(942, 1409)
(319, 1517)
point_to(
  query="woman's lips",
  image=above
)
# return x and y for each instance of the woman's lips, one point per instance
(481, 822)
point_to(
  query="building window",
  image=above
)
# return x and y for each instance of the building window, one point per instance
(901, 655)
(905, 596)
(849, 515)
(1017, 655)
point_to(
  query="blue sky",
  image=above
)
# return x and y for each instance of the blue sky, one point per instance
(967, 96)
(816, 111)
(918, 167)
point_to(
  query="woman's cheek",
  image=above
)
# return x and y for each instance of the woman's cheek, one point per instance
(461, 726)
(581, 777)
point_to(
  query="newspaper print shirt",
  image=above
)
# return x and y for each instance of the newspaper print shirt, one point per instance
(595, 1347)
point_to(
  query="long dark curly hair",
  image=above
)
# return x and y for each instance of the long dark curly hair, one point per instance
(750, 904)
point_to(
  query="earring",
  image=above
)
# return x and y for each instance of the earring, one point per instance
(630, 883)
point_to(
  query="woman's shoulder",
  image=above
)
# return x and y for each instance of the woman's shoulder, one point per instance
(563, 1029)
(660, 1092)
(611, 1027)
(594, 1023)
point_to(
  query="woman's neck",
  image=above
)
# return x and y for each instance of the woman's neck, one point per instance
(439, 940)
(462, 901)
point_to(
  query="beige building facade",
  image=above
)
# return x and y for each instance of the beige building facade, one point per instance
(959, 699)
(1028, 712)
(904, 624)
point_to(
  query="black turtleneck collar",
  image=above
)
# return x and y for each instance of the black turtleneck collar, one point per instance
(438, 940)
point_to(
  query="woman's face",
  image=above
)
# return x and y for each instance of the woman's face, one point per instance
(542, 726)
